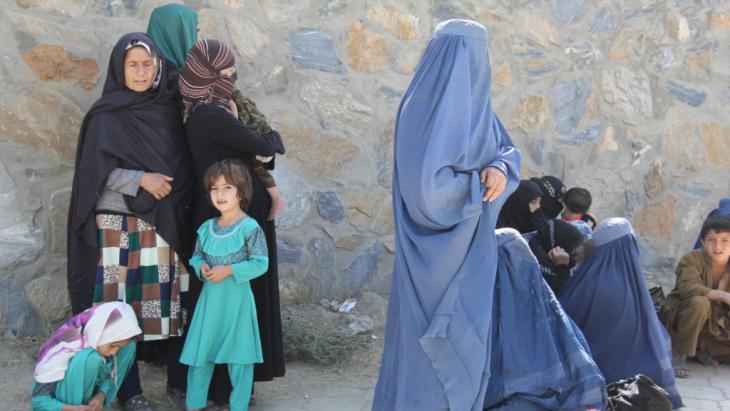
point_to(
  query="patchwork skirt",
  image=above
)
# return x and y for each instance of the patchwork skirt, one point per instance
(139, 267)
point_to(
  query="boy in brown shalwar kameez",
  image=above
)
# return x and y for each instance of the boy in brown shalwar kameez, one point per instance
(697, 311)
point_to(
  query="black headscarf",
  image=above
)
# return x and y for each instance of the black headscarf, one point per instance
(141, 131)
(552, 190)
(516, 210)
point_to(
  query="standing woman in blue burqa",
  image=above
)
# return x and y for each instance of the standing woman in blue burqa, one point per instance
(454, 167)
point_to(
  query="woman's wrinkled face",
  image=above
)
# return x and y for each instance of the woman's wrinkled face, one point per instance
(535, 204)
(139, 69)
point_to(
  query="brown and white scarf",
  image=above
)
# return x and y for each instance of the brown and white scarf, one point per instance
(200, 81)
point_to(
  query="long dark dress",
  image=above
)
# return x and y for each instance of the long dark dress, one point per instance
(214, 134)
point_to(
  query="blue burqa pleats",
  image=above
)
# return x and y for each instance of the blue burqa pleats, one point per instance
(722, 209)
(436, 354)
(539, 360)
(607, 297)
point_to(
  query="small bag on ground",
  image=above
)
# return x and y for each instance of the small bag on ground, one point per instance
(638, 393)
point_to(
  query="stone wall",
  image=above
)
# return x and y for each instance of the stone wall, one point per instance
(626, 98)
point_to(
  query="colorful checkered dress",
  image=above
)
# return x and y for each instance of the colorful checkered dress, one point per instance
(139, 267)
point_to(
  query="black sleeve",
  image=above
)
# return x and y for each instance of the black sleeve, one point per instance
(228, 131)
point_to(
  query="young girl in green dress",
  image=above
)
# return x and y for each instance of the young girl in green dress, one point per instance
(230, 251)
(81, 367)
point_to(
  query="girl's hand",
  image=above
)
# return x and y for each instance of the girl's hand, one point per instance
(69, 407)
(204, 270)
(156, 184)
(558, 256)
(494, 181)
(96, 403)
(219, 273)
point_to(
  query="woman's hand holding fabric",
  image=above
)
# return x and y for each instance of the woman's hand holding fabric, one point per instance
(494, 181)
(156, 184)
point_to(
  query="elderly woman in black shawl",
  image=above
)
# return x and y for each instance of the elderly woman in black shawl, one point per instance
(130, 202)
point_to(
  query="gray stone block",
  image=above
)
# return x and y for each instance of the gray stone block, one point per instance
(363, 268)
(288, 252)
(330, 207)
(116, 8)
(686, 95)
(314, 49)
(586, 136)
(18, 315)
(645, 11)
(569, 103)
(567, 11)
(604, 20)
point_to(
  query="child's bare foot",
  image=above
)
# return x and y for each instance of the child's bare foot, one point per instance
(277, 203)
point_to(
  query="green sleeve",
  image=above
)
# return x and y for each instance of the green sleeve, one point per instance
(258, 262)
(42, 397)
(197, 260)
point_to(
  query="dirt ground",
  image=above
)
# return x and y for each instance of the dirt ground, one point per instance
(311, 388)
(305, 387)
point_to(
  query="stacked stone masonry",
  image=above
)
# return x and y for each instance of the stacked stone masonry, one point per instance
(628, 99)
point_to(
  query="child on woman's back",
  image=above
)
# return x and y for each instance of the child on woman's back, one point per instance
(251, 117)
(230, 251)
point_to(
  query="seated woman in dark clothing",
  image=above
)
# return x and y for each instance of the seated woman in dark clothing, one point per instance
(553, 191)
(607, 297)
(521, 211)
(214, 133)
(556, 244)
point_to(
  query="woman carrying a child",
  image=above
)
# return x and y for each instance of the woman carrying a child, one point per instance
(130, 202)
(215, 133)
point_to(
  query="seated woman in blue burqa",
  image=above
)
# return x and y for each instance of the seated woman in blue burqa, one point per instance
(539, 359)
(607, 297)
(454, 165)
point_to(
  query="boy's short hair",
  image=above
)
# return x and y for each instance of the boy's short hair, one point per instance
(577, 200)
(718, 224)
(236, 174)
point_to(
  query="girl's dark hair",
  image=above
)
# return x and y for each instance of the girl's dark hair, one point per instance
(718, 224)
(236, 174)
(577, 200)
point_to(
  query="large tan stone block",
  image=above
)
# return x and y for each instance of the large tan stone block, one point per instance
(681, 145)
(629, 92)
(52, 62)
(366, 48)
(248, 39)
(399, 23)
(716, 139)
(336, 106)
(657, 220)
(538, 29)
(532, 112)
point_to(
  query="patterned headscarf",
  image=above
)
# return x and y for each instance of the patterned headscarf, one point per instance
(553, 190)
(200, 81)
(102, 324)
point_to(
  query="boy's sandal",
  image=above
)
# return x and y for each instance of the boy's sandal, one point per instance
(680, 368)
(706, 359)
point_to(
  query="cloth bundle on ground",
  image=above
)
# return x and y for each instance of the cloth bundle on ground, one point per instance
(607, 297)
(722, 209)
(516, 211)
(70, 371)
(436, 353)
(539, 358)
(551, 234)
